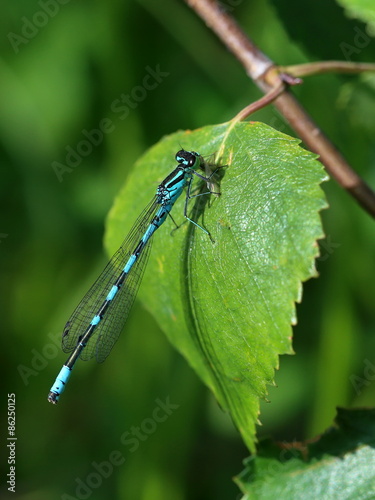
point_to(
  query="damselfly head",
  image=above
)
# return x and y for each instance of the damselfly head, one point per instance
(187, 158)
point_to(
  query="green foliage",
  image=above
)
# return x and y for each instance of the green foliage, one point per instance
(228, 305)
(339, 464)
(68, 75)
(361, 9)
(348, 41)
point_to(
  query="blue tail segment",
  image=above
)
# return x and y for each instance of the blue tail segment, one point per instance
(59, 385)
(96, 323)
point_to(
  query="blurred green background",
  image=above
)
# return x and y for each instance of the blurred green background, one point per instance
(63, 69)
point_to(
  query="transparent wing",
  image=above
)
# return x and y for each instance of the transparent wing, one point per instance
(109, 328)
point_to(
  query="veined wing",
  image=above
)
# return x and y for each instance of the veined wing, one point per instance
(109, 328)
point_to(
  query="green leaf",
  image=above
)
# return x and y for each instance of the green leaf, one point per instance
(338, 35)
(228, 305)
(360, 9)
(338, 465)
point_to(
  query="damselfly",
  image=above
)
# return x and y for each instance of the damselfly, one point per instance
(96, 323)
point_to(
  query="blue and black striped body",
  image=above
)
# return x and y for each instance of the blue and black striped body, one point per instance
(96, 323)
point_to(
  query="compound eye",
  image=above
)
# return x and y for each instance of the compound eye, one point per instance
(180, 156)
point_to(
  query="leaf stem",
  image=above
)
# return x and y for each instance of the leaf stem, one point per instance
(269, 97)
(269, 79)
(320, 67)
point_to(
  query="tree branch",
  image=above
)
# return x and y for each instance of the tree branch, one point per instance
(268, 78)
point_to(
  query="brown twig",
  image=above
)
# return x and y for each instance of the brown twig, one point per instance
(268, 78)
